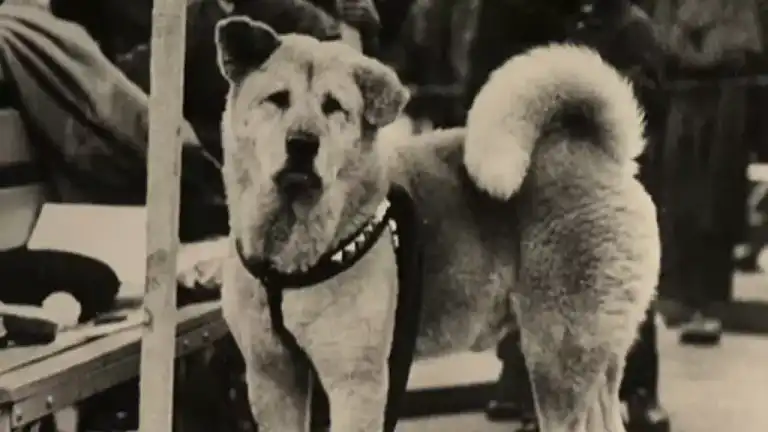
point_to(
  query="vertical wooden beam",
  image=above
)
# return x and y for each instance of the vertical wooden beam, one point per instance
(163, 184)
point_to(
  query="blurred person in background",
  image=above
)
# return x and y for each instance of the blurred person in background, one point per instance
(715, 53)
(429, 53)
(123, 31)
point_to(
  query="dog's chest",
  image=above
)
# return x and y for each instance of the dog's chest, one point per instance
(362, 295)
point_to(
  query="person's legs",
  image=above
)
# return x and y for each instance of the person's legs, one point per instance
(642, 367)
(725, 184)
(640, 386)
(699, 261)
(513, 390)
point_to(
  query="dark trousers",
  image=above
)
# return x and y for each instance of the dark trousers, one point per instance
(704, 266)
(704, 193)
(641, 371)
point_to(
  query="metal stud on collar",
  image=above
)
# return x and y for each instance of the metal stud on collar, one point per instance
(392, 224)
(350, 249)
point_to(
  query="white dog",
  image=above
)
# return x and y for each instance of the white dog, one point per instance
(348, 254)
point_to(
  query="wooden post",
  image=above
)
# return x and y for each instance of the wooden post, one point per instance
(163, 184)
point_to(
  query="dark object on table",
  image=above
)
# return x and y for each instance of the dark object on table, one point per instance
(27, 325)
(29, 276)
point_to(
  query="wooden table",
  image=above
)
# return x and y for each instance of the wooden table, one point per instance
(39, 380)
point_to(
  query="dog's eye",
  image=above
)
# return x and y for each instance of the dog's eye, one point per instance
(281, 99)
(331, 105)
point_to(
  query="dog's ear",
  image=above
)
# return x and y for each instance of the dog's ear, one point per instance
(243, 45)
(384, 96)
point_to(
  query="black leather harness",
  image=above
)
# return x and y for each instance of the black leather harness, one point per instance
(398, 214)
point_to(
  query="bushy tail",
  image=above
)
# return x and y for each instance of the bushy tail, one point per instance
(560, 89)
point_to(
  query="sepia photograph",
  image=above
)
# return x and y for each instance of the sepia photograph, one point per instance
(383, 215)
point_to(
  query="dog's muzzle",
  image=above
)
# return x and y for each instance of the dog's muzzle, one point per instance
(298, 176)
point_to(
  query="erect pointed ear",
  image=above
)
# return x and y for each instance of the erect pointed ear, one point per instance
(242, 45)
(384, 96)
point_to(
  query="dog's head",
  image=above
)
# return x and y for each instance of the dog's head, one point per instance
(303, 112)
(299, 135)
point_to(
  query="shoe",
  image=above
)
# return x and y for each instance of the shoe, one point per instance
(499, 411)
(701, 330)
(645, 414)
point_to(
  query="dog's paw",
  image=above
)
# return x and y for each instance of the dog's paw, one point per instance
(200, 282)
(200, 265)
(203, 274)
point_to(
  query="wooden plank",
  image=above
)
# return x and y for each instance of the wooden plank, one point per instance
(12, 358)
(163, 184)
(60, 381)
(46, 362)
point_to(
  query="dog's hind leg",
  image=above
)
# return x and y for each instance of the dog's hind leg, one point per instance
(575, 370)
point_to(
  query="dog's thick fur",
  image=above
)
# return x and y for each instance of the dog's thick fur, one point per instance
(531, 218)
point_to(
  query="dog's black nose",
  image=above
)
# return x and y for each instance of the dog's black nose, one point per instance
(302, 147)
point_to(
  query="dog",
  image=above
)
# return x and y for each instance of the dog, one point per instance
(529, 218)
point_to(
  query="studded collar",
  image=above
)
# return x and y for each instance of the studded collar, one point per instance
(345, 255)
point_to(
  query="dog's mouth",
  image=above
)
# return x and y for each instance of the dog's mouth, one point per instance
(296, 183)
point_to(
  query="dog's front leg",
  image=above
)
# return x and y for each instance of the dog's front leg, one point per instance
(276, 392)
(277, 389)
(347, 335)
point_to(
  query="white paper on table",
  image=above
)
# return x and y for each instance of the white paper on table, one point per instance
(113, 234)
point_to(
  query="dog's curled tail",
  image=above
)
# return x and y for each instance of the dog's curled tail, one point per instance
(554, 92)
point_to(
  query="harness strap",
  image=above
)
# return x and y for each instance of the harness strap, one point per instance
(407, 312)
